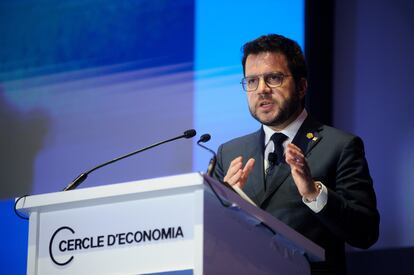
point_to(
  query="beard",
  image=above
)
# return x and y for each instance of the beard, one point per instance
(287, 110)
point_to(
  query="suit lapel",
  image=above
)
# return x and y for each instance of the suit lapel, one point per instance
(306, 139)
(308, 136)
(255, 183)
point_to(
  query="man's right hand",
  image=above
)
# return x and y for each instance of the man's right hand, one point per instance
(237, 174)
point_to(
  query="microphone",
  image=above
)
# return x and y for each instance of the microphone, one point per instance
(272, 158)
(82, 177)
(212, 164)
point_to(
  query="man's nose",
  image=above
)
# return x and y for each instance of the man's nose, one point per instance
(263, 87)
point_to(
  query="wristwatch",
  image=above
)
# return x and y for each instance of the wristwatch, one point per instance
(319, 187)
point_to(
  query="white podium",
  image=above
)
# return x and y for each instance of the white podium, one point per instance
(176, 225)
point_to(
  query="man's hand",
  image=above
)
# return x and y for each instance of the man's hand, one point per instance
(237, 174)
(300, 172)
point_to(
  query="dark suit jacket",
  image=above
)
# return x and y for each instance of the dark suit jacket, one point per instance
(335, 158)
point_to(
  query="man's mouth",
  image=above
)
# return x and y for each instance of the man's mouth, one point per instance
(266, 104)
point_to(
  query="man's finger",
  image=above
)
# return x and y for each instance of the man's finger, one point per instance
(248, 167)
(293, 146)
(295, 162)
(236, 161)
(295, 151)
(236, 165)
(236, 178)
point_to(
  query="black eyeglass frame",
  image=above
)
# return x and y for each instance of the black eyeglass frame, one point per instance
(265, 77)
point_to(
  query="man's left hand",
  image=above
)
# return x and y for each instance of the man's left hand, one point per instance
(300, 172)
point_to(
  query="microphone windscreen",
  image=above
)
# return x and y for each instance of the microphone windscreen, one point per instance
(190, 133)
(204, 138)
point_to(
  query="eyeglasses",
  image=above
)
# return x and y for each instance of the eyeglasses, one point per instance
(272, 80)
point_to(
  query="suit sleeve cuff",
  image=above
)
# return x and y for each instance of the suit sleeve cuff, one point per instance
(319, 203)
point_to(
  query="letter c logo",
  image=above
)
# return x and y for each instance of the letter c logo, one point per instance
(51, 243)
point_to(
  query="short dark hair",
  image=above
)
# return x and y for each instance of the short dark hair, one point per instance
(278, 44)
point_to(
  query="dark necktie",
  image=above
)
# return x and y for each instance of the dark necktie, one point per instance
(276, 157)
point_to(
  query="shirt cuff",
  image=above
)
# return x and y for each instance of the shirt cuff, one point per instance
(319, 203)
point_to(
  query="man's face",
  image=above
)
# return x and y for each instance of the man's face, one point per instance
(276, 107)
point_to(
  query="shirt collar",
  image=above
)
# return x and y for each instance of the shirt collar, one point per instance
(290, 131)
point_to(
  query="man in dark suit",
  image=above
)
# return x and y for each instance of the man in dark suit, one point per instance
(311, 176)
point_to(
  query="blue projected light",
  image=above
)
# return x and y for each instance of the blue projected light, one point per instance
(13, 239)
(82, 82)
(220, 106)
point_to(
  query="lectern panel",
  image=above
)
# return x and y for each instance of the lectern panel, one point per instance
(157, 231)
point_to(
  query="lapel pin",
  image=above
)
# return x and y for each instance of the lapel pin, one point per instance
(315, 139)
(310, 136)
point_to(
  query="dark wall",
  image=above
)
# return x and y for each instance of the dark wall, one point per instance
(319, 48)
(361, 59)
(372, 98)
(360, 56)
